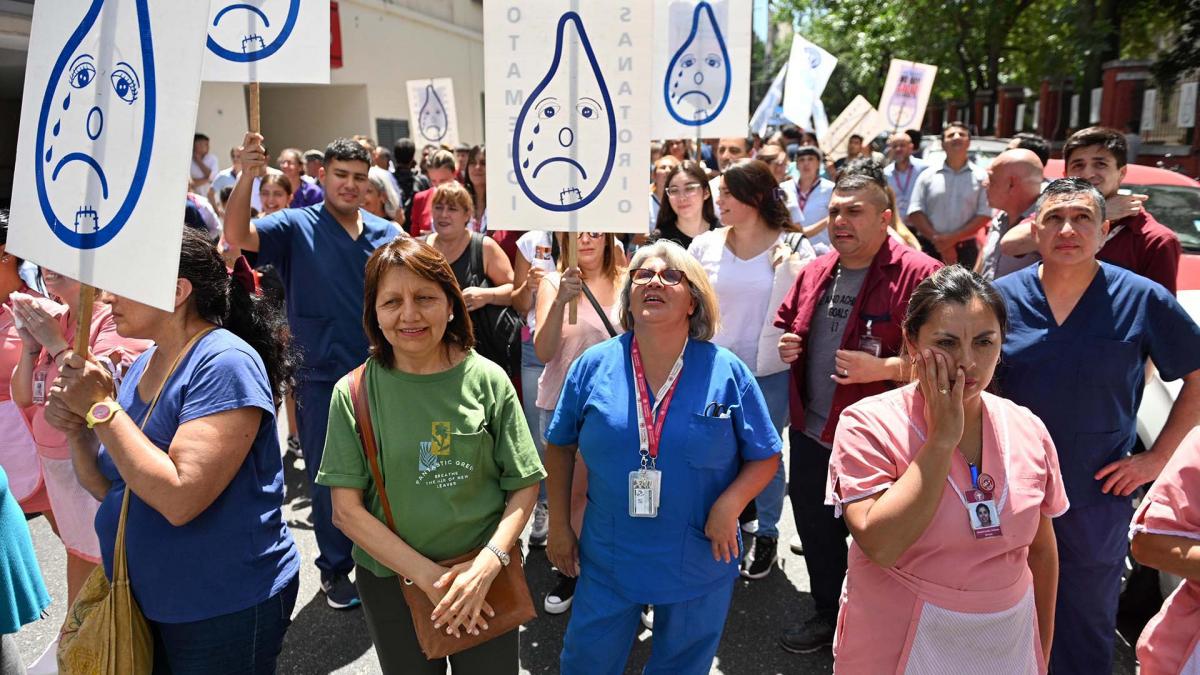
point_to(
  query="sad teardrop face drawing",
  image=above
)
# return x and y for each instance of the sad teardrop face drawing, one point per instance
(565, 142)
(96, 125)
(251, 31)
(433, 122)
(698, 80)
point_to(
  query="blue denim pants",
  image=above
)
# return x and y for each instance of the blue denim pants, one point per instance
(769, 502)
(242, 643)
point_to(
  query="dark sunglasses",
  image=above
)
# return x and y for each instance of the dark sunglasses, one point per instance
(642, 276)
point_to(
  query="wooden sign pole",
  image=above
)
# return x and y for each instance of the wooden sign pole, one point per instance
(83, 331)
(255, 108)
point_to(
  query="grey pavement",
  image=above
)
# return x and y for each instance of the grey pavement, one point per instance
(323, 640)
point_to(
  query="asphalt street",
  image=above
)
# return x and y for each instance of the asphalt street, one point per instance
(322, 640)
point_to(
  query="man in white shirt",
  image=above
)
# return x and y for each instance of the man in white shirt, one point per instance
(204, 166)
(227, 178)
(903, 172)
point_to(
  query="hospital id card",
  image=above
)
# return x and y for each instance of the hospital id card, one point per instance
(644, 493)
(983, 514)
(871, 345)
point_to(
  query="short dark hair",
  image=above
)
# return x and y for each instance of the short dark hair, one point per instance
(807, 151)
(1105, 137)
(1034, 143)
(956, 125)
(346, 150)
(953, 283)
(3, 227)
(199, 137)
(442, 159)
(862, 180)
(404, 152)
(1073, 186)
(428, 263)
(751, 182)
(916, 137)
(791, 132)
(854, 136)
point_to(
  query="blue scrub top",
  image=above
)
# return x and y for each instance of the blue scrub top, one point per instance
(1084, 379)
(668, 558)
(238, 552)
(323, 272)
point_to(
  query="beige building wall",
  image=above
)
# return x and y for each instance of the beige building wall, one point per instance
(384, 44)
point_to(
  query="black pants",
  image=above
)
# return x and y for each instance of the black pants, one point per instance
(390, 624)
(823, 535)
(968, 251)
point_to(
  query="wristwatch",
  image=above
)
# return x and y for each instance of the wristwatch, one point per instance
(102, 412)
(504, 558)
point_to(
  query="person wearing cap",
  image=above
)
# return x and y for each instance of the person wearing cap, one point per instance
(808, 196)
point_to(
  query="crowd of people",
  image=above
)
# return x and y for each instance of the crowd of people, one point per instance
(955, 356)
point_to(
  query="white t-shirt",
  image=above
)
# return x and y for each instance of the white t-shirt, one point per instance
(202, 184)
(226, 179)
(743, 292)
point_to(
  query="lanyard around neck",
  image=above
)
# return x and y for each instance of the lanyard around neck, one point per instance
(652, 417)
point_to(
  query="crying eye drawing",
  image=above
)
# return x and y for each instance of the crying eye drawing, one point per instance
(549, 111)
(589, 109)
(82, 72)
(713, 61)
(125, 83)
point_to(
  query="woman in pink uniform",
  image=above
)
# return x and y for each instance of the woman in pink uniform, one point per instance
(933, 586)
(1166, 536)
(17, 454)
(46, 339)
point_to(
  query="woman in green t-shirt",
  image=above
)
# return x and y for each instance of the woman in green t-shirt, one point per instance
(458, 463)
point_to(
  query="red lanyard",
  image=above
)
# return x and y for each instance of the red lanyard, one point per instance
(907, 180)
(802, 199)
(650, 434)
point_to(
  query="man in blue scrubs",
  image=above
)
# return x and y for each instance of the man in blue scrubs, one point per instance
(1079, 334)
(321, 254)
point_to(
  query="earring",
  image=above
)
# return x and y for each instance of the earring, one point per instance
(451, 318)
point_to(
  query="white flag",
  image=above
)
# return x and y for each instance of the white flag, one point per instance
(771, 100)
(809, 68)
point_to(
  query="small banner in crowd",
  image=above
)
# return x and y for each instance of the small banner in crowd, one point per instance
(702, 68)
(906, 93)
(109, 109)
(268, 41)
(809, 68)
(571, 117)
(860, 117)
(431, 109)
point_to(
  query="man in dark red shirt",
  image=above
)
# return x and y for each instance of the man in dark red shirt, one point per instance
(441, 169)
(843, 338)
(1136, 241)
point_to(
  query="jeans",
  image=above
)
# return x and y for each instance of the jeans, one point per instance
(531, 371)
(769, 502)
(822, 534)
(312, 418)
(247, 642)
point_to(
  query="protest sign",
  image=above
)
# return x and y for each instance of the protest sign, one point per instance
(431, 109)
(769, 107)
(809, 69)
(110, 100)
(570, 126)
(268, 41)
(861, 118)
(702, 69)
(906, 93)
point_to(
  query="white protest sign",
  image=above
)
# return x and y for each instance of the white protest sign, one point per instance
(1149, 109)
(1074, 119)
(431, 109)
(1020, 121)
(268, 41)
(1187, 105)
(1097, 99)
(906, 93)
(109, 110)
(763, 114)
(572, 122)
(860, 117)
(809, 68)
(702, 69)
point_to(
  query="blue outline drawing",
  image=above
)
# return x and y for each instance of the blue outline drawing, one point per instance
(700, 78)
(439, 119)
(567, 196)
(85, 227)
(254, 47)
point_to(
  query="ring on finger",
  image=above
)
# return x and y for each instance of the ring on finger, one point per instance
(845, 372)
(943, 391)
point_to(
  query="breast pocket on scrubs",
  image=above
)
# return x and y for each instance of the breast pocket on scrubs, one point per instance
(710, 442)
(1025, 497)
(1106, 362)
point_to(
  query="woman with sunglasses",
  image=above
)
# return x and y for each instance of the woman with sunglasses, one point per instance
(677, 441)
(687, 210)
(559, 343)
(752, 264)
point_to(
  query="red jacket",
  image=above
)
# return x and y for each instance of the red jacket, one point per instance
(419, 222)
(1146, 247)
(883, 300)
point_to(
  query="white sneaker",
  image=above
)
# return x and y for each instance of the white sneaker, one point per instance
(559, 599)
(47, 663)
(541, 526)
(648, 617)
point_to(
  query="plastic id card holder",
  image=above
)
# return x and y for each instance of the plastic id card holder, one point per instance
(644, 493)
(983, 514)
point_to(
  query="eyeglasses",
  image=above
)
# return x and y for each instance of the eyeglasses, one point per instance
(592, 235)
(689, 190)
(642, 276)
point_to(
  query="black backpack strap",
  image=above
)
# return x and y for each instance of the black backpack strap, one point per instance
(475, 267)
(612, 332)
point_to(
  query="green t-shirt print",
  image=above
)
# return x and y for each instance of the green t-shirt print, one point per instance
(452, 446)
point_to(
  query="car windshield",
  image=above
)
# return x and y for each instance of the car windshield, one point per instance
(1177, 207)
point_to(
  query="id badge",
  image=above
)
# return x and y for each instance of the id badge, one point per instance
(983, 514)
(643, 497)
(39, 387)
(871, 345)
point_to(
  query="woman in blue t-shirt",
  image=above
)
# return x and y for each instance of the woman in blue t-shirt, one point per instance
(211, 562)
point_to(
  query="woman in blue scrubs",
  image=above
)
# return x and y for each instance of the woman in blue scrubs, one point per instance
(1080, 332)
(677, 440)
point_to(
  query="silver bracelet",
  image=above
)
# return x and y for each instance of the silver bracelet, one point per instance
(504, 557)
